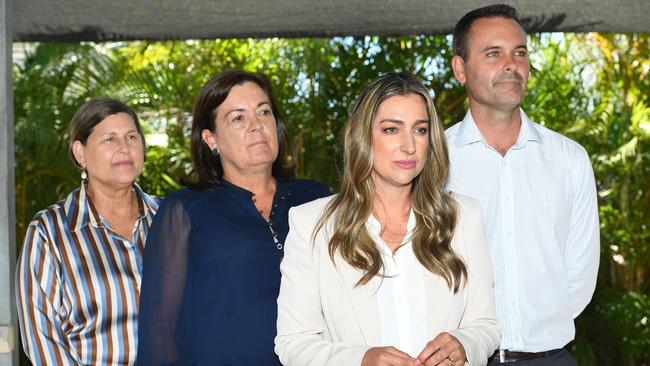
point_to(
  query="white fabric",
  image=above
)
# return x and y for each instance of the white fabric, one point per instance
(400, 297)
(325, 319)
(541, 218)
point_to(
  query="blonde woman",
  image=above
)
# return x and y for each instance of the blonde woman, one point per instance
(393, 270)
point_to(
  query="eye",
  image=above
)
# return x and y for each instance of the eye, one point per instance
(132, 136)
(265, 112)
(238, 118)
(422, 131)
(109, 139)
(521, 53)
(390, 130)
(492, 54)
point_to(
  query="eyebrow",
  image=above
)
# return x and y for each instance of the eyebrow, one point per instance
(489, 48)
(420, 121)
(241, 109)
(111, 132)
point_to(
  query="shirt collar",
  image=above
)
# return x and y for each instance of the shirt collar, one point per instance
(81, 212)
(469, 133)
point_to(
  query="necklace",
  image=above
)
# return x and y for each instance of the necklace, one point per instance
(261, 211)
(269, 222)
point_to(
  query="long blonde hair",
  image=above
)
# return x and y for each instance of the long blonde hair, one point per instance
(434, 208)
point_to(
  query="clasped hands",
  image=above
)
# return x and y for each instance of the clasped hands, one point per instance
(444, 350)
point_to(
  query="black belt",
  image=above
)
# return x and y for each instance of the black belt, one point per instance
(505, 356)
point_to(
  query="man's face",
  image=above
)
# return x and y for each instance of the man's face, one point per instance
(496, 70)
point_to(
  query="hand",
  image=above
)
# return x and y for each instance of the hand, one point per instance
(444, 350)
(387, 356)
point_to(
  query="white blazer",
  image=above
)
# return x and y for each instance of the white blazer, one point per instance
(323, 319)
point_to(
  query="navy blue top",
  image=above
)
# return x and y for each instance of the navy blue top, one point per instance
(212, 277)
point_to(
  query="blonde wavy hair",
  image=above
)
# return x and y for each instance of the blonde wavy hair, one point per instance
(434, 208)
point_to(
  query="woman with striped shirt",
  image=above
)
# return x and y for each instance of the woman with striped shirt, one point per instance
(79, 273)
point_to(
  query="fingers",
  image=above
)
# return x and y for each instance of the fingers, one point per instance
(396, 357)
(387, 356)
(445, 349)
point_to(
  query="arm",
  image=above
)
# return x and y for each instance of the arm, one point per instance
(38, 299)
(301, 323)
(163, 284)
(478, 331)
(583, 240)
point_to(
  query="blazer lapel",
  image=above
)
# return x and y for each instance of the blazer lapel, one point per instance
(363, 300)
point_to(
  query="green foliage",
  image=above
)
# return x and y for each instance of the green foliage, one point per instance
(591, 87)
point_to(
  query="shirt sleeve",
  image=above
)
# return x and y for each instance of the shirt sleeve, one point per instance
(38, 290)
(582, 253)
(163, 284)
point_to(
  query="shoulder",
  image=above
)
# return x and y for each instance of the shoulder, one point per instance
(49, 214)
(182, 199)
(465, 205)
(308, 188)
(49, 223)
(558, 143)
(311, 211)
(452, 131)
(153, 202)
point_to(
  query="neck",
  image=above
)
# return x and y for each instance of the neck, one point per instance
(500, 128)
(111, 199)
(393, 202)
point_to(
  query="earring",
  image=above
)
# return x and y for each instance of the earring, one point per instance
(84, 175)
(215, 152)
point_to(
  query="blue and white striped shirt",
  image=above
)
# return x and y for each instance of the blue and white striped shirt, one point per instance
(78, 284)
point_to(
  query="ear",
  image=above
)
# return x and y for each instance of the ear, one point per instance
(208, 137)
(79, 152)
(458, 65)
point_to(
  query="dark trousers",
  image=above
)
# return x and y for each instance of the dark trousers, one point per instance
(561, 358)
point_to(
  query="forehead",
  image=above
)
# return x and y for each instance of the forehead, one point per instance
(248, 92)
(407, 106)
(495, 31)
(115, 122)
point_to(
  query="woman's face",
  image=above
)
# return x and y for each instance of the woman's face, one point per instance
(400, 141)
(245, 133)
(114, 152)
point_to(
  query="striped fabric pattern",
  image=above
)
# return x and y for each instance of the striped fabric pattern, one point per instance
(78, 284)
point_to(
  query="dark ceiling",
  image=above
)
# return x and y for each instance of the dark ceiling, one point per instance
(79, 20)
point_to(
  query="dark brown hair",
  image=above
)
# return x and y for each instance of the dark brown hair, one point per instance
(93, 113)
(214, 92)
(462, 28)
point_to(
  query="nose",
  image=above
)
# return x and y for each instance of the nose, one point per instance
(123, 144)
(510, 63)
(256, 124)
(408, 144)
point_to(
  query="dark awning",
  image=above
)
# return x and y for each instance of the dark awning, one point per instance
(78, 20)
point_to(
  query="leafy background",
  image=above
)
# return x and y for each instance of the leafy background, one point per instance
(591, 87)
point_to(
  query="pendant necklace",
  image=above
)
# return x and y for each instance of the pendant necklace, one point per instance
(269, 223)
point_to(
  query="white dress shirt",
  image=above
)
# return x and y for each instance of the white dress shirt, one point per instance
(400, 295)
(541, 220)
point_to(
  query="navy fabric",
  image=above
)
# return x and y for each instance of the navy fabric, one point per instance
(211, 276)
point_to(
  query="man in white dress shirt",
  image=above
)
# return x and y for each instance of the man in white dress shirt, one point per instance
(536, 188)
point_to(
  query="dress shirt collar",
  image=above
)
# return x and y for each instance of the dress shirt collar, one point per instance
(80, 211)
(469, 133)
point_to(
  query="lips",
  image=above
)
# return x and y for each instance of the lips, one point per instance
(257, 143)
(123, 163)
(405, 164)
